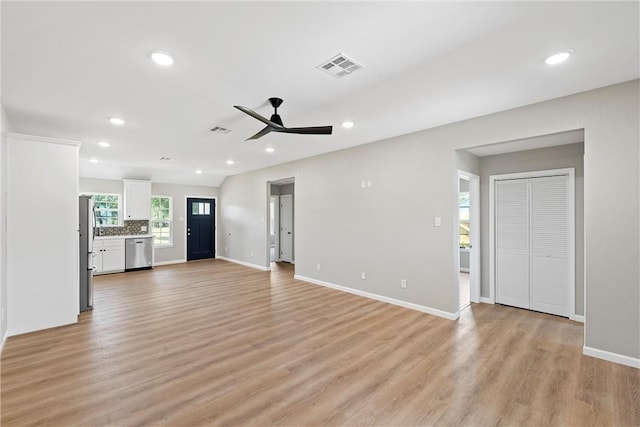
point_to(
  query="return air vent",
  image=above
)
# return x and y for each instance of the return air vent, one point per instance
(219, 129)
(340, 66)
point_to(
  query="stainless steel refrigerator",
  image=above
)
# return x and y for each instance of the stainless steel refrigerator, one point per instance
(87, 233)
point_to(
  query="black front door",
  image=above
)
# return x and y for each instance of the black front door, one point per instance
(201, 228)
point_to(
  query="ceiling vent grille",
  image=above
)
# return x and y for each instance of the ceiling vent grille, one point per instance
(340, 66)
(220, 129)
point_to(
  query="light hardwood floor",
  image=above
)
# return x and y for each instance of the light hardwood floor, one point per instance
(464, 282)
(214, 343)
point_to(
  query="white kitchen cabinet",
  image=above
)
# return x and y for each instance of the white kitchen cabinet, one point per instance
(137, 199)
(109, 255)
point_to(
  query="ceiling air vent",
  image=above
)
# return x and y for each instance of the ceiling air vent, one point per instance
(220, 129)
(340, 66)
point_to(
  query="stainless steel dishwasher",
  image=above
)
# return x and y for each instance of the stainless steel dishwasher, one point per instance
(138, 253)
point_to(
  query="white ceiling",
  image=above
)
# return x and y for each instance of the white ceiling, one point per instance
(69, 66)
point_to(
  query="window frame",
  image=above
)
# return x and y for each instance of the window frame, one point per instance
(120, 222)
(169, 220)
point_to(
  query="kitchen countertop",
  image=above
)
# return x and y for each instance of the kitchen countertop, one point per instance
(131, 236)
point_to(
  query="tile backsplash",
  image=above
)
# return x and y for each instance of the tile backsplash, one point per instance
(130, 228)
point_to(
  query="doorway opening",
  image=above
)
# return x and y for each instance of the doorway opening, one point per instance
(274, 227)
(281, 228)
(468, 238)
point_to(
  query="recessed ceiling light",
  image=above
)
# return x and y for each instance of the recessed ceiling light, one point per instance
(559, 57)
(104, 144)
(93, 160)
(162, 58)
(269, 149)
(347, 125)
(116, 121)
(230, 162)
(198, 171)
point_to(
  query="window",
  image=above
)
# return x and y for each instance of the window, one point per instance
(161, 220)
(463, 206)
(107, 208)
(200, 208)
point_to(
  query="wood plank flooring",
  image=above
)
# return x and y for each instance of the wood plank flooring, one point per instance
(214, 343)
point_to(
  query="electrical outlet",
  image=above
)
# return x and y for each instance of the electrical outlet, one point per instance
(251, 253)
(318, 267)
(363, 275)
(403, 283)
(225, 249)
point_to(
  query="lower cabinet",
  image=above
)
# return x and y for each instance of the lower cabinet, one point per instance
(109, 255)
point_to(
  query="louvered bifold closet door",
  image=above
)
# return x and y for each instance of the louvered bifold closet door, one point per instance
(512, 242)
(549, 245)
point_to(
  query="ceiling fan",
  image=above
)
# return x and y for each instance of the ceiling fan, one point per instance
(275, 124)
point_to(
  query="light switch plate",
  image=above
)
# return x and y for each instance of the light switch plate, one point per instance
(437, 221)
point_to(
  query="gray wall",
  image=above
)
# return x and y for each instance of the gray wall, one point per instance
(464, 185)
(564, 156)
(388, 232)
(178, 194)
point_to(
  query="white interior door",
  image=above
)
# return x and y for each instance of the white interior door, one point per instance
(512, 242)
(549, 245)
(286, 228)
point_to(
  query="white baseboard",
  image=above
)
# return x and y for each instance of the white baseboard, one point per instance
(246, 264)
(422, 308)
(4, 340)
(175, 261)
(486, 300)
(577, 318)
(611, 357)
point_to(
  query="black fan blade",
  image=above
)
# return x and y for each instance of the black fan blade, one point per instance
(258, 117)
(312, 130)
(262, 133)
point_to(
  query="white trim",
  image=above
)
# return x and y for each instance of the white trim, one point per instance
(570, 172)
(486, 300)
(421, 308)
(611, 357)
(174, 261)
(246, 264)
(215, 223)
(465, 270)
(42, 139)
(4, 341)
(577, 318)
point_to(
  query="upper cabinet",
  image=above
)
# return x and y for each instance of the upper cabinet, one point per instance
(137, 199)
